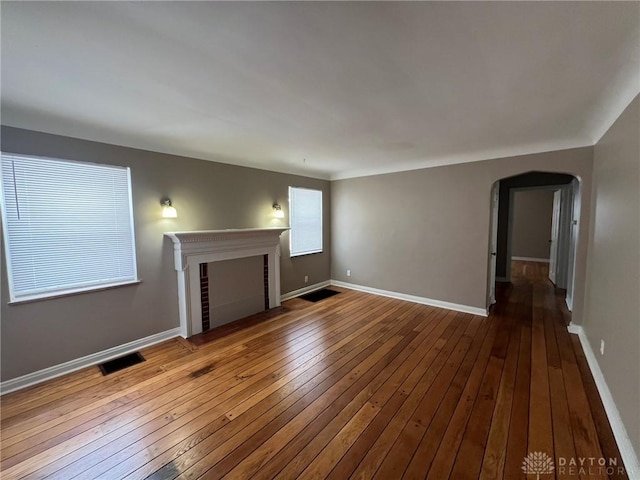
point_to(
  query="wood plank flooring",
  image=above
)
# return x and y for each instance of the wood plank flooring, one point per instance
(354, 386)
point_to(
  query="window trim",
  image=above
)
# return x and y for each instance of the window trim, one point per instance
(62, 292)
(70, 292)
(311, 252)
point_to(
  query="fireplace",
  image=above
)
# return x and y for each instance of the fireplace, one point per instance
(193, 249)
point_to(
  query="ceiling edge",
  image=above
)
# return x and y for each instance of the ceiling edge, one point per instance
(615, 108)
(168, 151)
(465, 158)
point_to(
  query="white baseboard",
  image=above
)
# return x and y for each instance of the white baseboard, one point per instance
(412, 298)
(575, 329)
(569, 302)
(531, 259)
(303, 290)
(83, 362)
(619, 431)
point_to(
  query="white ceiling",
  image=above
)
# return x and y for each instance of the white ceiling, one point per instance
(353, 88)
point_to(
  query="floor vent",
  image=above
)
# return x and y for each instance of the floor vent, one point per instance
(319, 295)
(120, 363)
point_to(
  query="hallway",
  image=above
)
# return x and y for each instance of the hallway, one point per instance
(562, 411)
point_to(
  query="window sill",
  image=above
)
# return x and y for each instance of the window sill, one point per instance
(305, 254)
(77, 291)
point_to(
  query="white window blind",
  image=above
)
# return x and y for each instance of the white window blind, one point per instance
(305, 220)
(68, 226)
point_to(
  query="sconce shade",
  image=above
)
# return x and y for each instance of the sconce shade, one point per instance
(277, 211)
(168, 210)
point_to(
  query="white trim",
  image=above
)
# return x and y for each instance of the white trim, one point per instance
(84, 362)
(303, 290)
(619, 431)
(413, 298)
(531, 259)
(492, 257)
(569, 303)
(190, 249)
(74, 291)
(575, 329)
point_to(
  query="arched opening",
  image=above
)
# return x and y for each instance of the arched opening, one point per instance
(562, 197)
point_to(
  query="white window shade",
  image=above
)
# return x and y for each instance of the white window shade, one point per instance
(68, 226)
(305, 211)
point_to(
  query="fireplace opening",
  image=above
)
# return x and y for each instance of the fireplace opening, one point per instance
(233, 289)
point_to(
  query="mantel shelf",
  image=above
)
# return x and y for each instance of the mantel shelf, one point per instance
(209, 235)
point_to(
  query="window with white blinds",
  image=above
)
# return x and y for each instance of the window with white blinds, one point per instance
(68, 226)
(305, 220)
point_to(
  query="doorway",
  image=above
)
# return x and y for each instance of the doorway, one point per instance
(534, 218)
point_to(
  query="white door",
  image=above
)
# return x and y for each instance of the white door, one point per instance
(493, 243)
(575, 214)
(555, 230)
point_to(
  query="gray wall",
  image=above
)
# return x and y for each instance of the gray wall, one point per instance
(531, 232)
(613, 281)
(426, 232)
(207, 196)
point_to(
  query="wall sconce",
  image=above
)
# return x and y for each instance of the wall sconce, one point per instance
(277, 211)
(168, 210)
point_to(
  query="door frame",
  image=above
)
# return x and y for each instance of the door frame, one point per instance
(577, 190)
(555, 249)
(493, 243)
(574, 219)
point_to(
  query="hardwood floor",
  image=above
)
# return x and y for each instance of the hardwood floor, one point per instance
(355, 386)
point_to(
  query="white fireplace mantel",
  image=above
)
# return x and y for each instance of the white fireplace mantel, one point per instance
(190, 249)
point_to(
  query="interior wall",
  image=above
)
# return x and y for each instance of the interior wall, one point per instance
(531, 231)
(207, 195)
(426, 232)
(613, 282)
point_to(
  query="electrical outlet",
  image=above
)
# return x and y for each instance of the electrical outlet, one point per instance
(601, 347)
(348, 273)
(306, 278)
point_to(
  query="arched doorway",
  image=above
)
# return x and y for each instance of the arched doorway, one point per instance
(566, 193)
